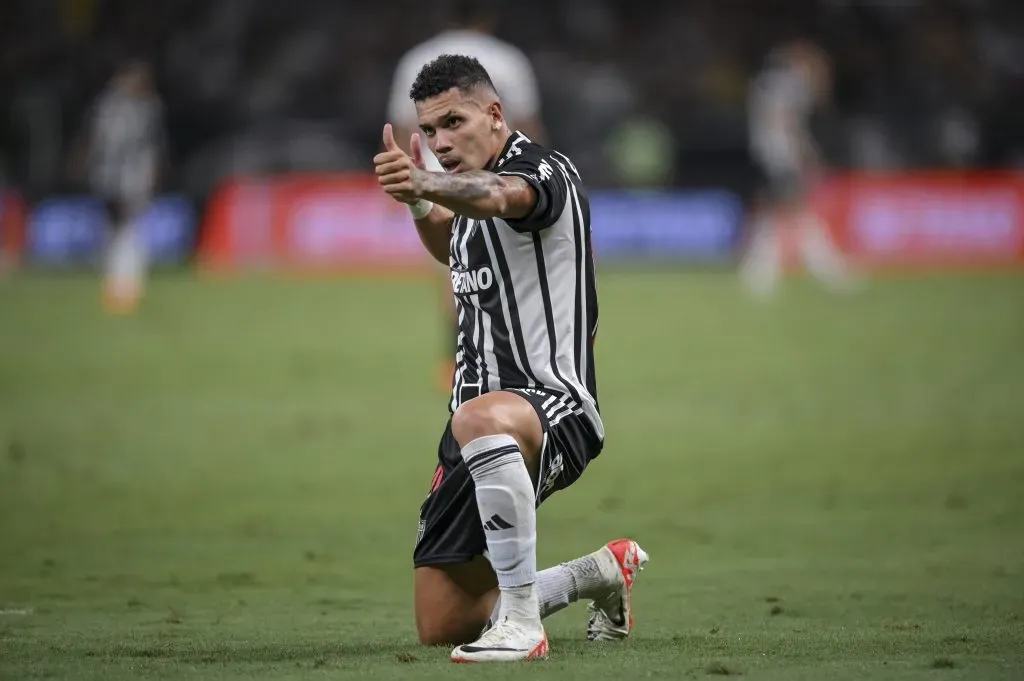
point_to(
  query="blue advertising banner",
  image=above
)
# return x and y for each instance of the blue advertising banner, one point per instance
(73, 230)
(672, 226)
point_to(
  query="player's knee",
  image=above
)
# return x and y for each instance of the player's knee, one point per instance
(471, 421)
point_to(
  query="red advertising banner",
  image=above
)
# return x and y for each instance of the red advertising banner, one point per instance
(12, 228)
(927, 220)
(309, 223)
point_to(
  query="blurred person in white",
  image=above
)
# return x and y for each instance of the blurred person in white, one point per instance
(471, 33)
(782, 98)
(122, 146)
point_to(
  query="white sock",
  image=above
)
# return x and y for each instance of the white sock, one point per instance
(127, 260)
(762, 266)
(556, 589)
(507, 505)
(590, 579)
(820, 253)
(563, 584)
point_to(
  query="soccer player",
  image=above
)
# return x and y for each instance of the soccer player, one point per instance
(511, 219)
(124, 146)
(471, 33)
(782, 99)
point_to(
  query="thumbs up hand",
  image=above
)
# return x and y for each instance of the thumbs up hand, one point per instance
(417, 151)
(389, 138)
(399, 174)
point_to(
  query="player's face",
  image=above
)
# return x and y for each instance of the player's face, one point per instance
(462, 129)
(135, 79)
(815, 65)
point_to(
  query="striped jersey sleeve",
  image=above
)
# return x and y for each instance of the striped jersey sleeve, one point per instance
(552, 188)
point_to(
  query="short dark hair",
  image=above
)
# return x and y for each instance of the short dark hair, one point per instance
(446, 72)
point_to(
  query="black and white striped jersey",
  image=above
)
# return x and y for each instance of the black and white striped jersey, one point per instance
(525, 291)
(126, 139)
(780, 105)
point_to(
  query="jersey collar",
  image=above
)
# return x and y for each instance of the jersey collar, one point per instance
(504, 150)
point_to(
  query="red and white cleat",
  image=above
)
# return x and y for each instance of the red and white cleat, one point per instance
(611, 616)
(506, 641)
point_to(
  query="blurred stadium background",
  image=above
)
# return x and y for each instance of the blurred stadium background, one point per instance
(225, 484)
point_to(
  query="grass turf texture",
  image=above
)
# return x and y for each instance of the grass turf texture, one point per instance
(225, 485)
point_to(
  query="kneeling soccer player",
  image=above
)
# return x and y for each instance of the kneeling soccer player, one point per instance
(512, 221)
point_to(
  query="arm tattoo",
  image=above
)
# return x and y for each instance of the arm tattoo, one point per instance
(474, 185)
(479, 194)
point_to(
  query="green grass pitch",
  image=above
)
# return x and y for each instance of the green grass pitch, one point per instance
(225, 486)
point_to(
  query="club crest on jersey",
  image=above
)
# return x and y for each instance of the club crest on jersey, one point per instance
(466, 282)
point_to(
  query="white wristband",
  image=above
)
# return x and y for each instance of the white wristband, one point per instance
(420, 209)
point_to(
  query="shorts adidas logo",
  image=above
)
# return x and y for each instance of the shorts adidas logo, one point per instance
(497, 523)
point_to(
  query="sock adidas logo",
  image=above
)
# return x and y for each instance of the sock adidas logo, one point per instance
(497, 523)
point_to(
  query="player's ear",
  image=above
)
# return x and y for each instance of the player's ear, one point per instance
(496, 115)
